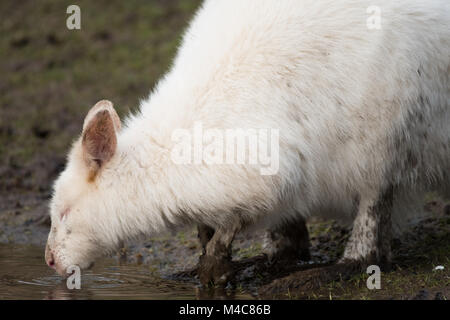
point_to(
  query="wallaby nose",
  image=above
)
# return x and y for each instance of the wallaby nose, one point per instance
(50, 259)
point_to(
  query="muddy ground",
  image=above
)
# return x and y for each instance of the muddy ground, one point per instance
(49, 78)
(24, 219)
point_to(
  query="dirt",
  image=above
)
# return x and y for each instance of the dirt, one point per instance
(50, 77)
(174, 256)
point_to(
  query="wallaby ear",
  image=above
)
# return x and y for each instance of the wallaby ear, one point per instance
(103, 105)
(99, 137)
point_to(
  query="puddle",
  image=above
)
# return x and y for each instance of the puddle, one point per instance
(24, 275)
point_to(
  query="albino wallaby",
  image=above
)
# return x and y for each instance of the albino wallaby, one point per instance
(361, 111)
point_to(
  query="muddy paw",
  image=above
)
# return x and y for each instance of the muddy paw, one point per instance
(214, 271)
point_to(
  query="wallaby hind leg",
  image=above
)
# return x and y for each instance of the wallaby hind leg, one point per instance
(370, 240)
(369, 244)
(288, 242)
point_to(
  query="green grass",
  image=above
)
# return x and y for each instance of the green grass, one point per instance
(50, 76)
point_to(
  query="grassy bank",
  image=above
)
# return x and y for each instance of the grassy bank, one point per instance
(50, 76)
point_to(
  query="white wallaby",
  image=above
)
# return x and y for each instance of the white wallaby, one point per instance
(360, 102)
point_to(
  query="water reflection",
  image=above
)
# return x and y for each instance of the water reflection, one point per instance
(24, 275)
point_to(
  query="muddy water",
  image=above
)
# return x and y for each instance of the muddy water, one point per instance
(24, 275)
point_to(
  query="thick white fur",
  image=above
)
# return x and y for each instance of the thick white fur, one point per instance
(357, 110)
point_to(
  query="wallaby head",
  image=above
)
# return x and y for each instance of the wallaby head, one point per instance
(74, 224)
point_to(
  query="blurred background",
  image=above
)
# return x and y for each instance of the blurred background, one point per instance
(50, 76)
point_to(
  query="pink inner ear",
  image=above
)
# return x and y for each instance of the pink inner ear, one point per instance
(64, 213)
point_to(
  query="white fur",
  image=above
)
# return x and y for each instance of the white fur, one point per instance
(357, 109)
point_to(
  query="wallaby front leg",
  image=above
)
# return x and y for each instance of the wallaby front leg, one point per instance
(215, 267)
